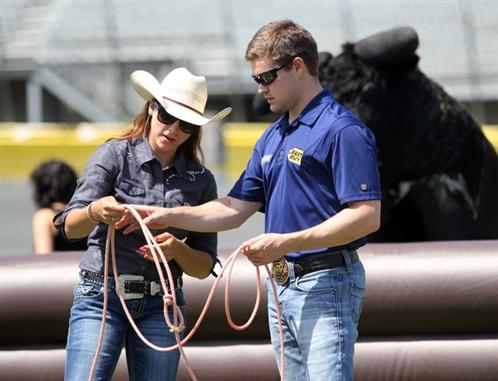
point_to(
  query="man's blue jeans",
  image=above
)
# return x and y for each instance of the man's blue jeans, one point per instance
(144, 363)
(320, 317)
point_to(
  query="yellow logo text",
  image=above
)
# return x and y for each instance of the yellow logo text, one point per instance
(295, 155)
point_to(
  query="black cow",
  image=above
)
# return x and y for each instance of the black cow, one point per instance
(439, 173)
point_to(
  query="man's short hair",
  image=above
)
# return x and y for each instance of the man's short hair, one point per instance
(282, 40)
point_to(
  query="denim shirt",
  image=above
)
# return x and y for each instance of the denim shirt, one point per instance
(128, 170)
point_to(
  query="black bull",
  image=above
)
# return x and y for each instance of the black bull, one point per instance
(439, 173)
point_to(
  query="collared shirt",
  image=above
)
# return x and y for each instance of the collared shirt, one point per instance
(128, 170)
(308, 171)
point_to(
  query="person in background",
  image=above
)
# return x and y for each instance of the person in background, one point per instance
(157, 162)
(53, 184)
(314, 174)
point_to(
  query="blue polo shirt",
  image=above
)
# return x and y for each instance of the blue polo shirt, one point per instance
(306, 172)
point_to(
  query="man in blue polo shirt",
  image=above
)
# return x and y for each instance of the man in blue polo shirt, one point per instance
(314, 173)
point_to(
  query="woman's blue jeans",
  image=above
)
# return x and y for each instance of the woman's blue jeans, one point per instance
(144, 363)
(320, 317)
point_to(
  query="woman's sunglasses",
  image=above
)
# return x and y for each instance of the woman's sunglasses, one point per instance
(266, 78)
(166, 118)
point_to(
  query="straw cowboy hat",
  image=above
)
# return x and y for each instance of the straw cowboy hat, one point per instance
(181, 93)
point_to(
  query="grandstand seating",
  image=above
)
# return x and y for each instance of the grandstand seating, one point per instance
(94, 45)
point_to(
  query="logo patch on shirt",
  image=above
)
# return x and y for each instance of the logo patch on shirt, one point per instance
(295, 155)
(363, 187)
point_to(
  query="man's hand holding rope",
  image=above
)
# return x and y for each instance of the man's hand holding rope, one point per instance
(265, 248)
(154, 217)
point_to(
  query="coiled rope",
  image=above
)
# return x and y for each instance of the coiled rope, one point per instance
(170, 299)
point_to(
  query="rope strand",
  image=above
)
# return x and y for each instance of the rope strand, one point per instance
(170, 299)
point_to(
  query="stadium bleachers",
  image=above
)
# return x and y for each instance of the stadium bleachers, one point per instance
(458, 39)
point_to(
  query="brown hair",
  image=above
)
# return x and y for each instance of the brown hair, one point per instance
(281, 41)
(141, 127)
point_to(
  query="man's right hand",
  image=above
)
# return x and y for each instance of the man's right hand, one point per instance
(154, 217)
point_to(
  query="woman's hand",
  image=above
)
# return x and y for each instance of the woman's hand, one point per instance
(196, 263)
(81, 221)
(106, 209)
(169, 244)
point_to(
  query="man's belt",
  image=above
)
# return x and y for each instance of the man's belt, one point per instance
(132, 286)
(310, 263)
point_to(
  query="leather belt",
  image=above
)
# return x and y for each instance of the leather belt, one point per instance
(310, 263)
(132, 286)
(322, 261)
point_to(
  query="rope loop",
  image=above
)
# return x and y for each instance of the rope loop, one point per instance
(169, 300)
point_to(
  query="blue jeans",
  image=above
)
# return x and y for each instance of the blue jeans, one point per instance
(320, 317)
(144, 363)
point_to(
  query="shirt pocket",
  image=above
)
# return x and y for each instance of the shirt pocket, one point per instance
(184, 197)
(127, 191)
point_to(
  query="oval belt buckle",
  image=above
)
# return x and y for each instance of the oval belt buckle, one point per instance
(280, 270)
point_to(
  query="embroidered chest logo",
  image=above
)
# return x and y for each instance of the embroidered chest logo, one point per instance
(191, 174)
(295, 155)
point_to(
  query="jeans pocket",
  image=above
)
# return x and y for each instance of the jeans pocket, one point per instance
(322, 281)
(88, 290)
(357, 295)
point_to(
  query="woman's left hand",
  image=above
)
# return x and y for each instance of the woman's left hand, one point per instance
(169, 244)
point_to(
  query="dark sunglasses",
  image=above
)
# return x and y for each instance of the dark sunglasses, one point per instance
(266, 78)
(166, 118)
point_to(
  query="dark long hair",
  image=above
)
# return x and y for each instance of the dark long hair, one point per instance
(53, 181)
(141, 127)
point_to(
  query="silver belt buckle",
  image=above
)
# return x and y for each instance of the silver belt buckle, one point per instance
(121, 281)
(280, 270)
(155, 288)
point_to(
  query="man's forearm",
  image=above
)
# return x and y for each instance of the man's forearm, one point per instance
(222, 214)
(346, 226)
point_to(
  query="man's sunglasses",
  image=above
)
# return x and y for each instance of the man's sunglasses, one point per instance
(266, 78)
(166, 118)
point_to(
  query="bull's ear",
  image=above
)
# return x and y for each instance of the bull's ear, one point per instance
(389, 47)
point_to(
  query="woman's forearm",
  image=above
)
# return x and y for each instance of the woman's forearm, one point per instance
(78, 224)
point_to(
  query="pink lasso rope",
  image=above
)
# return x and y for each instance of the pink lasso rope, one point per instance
(170, 299)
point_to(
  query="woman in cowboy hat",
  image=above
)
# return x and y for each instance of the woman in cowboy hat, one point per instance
(157, 162)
